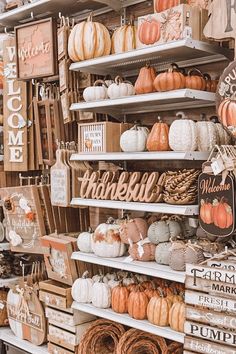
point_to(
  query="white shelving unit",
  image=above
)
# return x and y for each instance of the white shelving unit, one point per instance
(6, 335)
(148, 268)
(9, 282)
(138, 156)
(187, 210)
(126, 320)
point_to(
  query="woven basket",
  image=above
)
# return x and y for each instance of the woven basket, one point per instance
(138, 342)
(102, 337)
(175, 348)
(3, 311)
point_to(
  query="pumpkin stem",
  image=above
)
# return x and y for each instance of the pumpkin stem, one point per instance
(203, 117)
(118, 80)
(181, 115)
(173, 67)
(110, 221)
(90, 230)
(85, 275)
(131, 20)
(207, 76)
(98, 82)
(195, 70)
(90, 17)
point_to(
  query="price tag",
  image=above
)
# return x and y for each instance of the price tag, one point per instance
(218, 166)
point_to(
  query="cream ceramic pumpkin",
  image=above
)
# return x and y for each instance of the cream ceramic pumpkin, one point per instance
(96, 92)
(81, 290)
(89, 40)
(106, 241)
(134, 139)
(183, 135)
(162, 231)
(162, 253)
(84, 242)
(101, 295)
(120, 89)
(207, 136)
(123, 39)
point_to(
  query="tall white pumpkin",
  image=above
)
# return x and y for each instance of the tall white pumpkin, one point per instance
(81, 290)
(183, 135)
(207, 136)
(124, 39)
(101, 295)
(89, 40)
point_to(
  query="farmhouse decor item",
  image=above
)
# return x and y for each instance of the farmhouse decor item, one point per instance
(137, 304)
(177, 316)
(164, 230)
(149, 31)
(101, 295)
(119, 299)
(162, 5)
(133, 230)
(142, 251)
(158, 311)
(183, 134)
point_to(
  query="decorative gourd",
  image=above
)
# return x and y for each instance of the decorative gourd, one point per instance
(84, 241)
(119, 299)
(88, 40)
(81, 290)
(106, 240)
(195, 80)
(158, 139)
(162, 5)
(134, 139)
(222, 215)
(211, 85)
(158, 311)
(149, 31)
(133, 230)
(162, 231)
(183, 134)
(120, 88)
(223, 137)
(101, 295)
(162, 253)
(142, 252)
(177, 316)
(145, 81)
(137, 304)
(96, 92)
(227, 113)
(207, 137)
(170, 80)
(124, 39)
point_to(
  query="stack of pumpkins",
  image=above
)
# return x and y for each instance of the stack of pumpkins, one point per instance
(156, 300)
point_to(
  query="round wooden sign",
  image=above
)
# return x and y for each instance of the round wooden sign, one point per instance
(226, 99)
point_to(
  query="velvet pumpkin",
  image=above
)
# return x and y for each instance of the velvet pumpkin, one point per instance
(162, 230)
(145, 80)
(158, 139)
(170, 80)
(137, 304)
(149, 31)
(133, 230)
(145, 252)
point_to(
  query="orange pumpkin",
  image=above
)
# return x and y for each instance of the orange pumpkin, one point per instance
(195, 80)
(137, 304)
(211, 85)
(158, 139)
(158, 311)
(162, 5)
(149, 31)
(206, 212)
(170, 80)
(177, 316)
(145, 80)
(227, 113)
(222, 214)
(152, 293)
(119, 299)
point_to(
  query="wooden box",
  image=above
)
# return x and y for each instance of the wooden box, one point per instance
(172, 24)
(100, 137)
(55, 294)
(63, 319)
(53, 348)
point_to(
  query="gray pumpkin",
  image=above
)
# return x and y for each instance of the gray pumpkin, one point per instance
(187, 230)
(181, 254)
(162, 231)
(162, 253)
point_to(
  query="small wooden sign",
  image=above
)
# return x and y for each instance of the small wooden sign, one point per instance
(201, 346)
(37, 50)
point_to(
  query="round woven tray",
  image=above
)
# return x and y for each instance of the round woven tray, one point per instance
(138, 342)
(3, 311)
(102, 337)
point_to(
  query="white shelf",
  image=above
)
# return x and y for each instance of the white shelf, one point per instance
(9, 282)
(8, 336)
(184, 52)
(1, 157)
(149, 268)
(151, 102)
(165, 332)
(137, 156)
(145, 207)
(4, 246)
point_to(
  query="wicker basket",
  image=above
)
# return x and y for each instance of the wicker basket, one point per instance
(102, 337)
(3, 311)
(175, 348)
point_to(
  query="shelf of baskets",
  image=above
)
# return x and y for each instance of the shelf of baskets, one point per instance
(7, 336)
(9, 282)
(187, 210)
(124, 263)
(184, 52)
(126, 320)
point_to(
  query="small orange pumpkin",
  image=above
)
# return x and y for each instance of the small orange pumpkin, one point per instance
(195, 80)
(137, 304)
(145, 80)
(149, 31)
(211, 85)
(227, 113)
(177, 316)
(162, 5)
(158, 139)
(119, 299)
(170, 80)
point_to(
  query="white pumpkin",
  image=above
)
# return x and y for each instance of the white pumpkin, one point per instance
(84, 242)
(183, 135)
(162, 253)
(120, 88)
(207, 136)
(96, 92)
(223, 137)
(111, 276)
(141, 278)
(106, 240)
(113, 283)
(162, 231)
(81, 290)
(89, 40)
(134, 139)
(128, 281)
(124, 39)
(101, 295)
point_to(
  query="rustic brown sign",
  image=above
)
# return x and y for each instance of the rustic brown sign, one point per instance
(36, 49)
(212, 287)
(211, 274)
(201, 346)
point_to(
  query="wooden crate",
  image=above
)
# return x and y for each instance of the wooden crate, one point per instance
(53, 348)
(56, 295)
(67, 319)
(101, 136)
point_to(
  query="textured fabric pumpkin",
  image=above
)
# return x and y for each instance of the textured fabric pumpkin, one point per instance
(88, 40)
(207, 136)
(158, 311)
(119, 299)
(170, 80)
(142, 252)
(106, 240)
(223, 138)
(145, 80)
(181, 254)
(120, 88)
(123, 39)
(133, 230)
(81, 290)
(162, 231)
(149, 31)
(162, 5)
(158, 139)
(227, 114)
(134, 139)
(183, 135)
(101, 295)
(162, 253)
(96, 92)
(195, 80)
(177, 316)
(137, 304)
(84, 242)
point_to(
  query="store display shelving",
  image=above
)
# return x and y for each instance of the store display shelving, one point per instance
(124, 263)
(9, 282)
